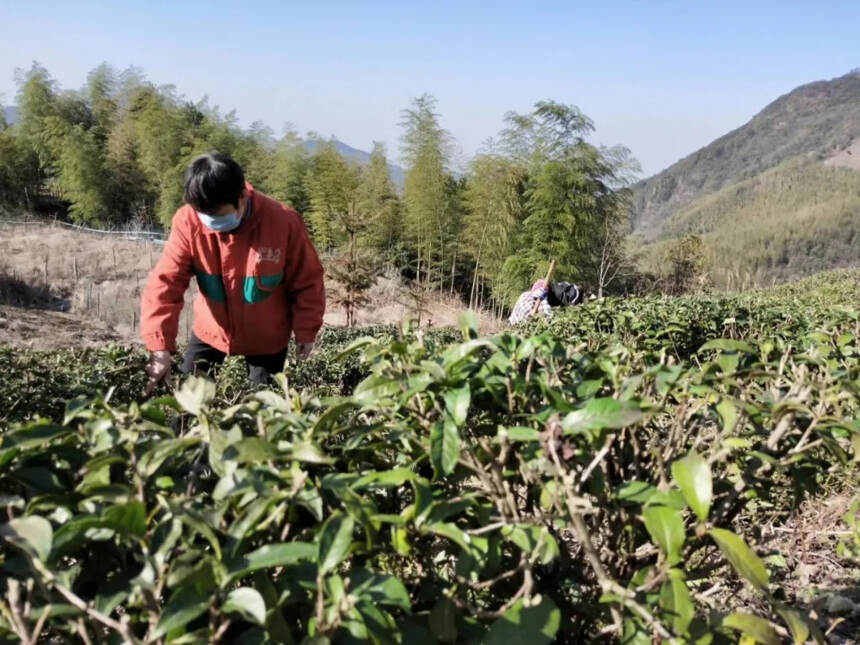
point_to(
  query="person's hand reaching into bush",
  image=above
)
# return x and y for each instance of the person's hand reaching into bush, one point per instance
(157, 369)
(303, 351)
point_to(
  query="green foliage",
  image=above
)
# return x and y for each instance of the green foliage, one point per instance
(285, 175)
(428, 219)
(685, 260)
(494, 208)
(793, 220)
(574, 198)
(378, 198)
(115, 152)
(530, 487)
(331, 183)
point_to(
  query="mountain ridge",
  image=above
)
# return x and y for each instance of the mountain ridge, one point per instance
(817, 119)
(398, 174)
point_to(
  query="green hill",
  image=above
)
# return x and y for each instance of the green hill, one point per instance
(795, 219)
(774, 199)
(817, 121)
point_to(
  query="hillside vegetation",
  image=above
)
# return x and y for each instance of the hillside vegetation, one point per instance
(792, 220)
(114, 152)
(815, 121)
(625, 473)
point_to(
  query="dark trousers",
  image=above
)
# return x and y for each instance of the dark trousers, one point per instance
(201, 358)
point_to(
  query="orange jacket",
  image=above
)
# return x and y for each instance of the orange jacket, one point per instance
(258, 283)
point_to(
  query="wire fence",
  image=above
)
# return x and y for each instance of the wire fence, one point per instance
(68, 282)
(156, 237)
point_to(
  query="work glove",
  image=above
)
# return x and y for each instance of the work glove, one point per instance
(157, 369)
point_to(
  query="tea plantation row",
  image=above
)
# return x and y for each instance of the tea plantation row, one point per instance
(599, 478)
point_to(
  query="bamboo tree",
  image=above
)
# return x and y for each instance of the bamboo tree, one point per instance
(331, 184)
(426, 150)
(378, 198)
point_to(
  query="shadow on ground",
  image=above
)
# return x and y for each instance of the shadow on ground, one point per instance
(16, 292)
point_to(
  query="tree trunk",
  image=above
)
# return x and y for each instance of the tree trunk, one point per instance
(453, 268)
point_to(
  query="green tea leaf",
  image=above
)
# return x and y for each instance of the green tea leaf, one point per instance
(37, 435)
(457, 404)
(602, 413)
(797, 625)
(152, 459)
(444, 447)
(634, 634)
(385, 479)
(126, 519)
(530, 538)
(198, 524)
(195, 394)
(334, 541)
(666, 529)
(443, 620)
(183, 606)
(379, 588)
(693, 476)
(32, 534)
(744, 561)
(528, 622)
(248, 603)
(635, 491)
(756, 628)
(518, 433)
(676, 601)
(728, 414)
(252, 450)
(272, 555)
(727, 345)
(75, 532)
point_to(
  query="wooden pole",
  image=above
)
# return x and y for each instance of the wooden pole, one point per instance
(548, 277)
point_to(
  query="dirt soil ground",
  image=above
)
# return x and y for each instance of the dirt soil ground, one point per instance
(49, 330)
(61, 288)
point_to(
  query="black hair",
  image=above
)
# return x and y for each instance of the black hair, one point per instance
(563, 294)
(213, 180)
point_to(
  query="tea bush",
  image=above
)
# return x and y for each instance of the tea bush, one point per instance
(593, 482)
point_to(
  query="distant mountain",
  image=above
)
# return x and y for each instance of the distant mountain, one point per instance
(816, 120)
(398, 175)
(777, 198)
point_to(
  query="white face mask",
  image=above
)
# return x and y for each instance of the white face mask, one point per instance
(220, 223)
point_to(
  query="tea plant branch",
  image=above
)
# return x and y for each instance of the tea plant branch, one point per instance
(610, 439)
(607, 584)
(121, 628)
(15, 613)
(486, 584)
(524, 591)
(805, 437)
(222, 629)
(81, 629)
(782, 426)
(40, 624)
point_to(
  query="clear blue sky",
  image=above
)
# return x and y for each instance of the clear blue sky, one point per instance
(663, 78)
